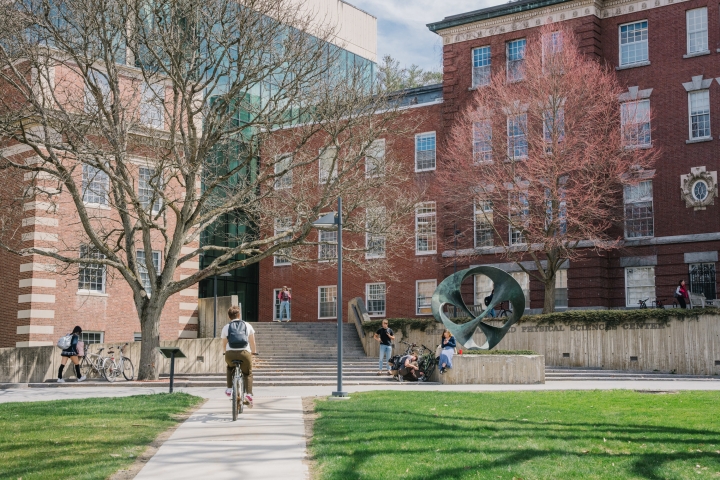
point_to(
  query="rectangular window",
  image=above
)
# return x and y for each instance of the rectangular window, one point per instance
(639, 210)
(91, 277)
(639, 285)
(481, 66)
(375, 293)
(697, 30)
(99, 81)
(484, 233)
(517, 139)
(425, 228)
(327, 302)
(282, 256)
(142, 268)
(482, 141)
(483, 287)
(699, 105)
(561, 295)
(515, 60)
(519, 211)
(524, 280)
(375, 159)
(149, 187)
(328, 164)
(276, 304)
(327, 251)
(374, 238)
(552, 45)
(152, 105)
(283, 173)
(137, 337)
(92, 337)
(425, 151)
(635, 123)
(95, 186)
(634, 43)
(553, 128)
(424, 290)
(702, 279)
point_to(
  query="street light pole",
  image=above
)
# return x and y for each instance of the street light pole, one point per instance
(339, 308)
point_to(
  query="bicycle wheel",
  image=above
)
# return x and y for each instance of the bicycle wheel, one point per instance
(127, 368)
(235, 395)
(241, 397)
(85, 367)
(429, 366)
(109, 369)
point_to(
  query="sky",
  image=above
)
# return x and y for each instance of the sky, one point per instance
(401, 27)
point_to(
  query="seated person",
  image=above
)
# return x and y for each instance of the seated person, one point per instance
(448, 349)
(409, 368)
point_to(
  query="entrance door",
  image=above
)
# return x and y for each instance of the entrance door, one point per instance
(702, 279)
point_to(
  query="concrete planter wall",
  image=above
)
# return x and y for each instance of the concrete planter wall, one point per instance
(493, 370)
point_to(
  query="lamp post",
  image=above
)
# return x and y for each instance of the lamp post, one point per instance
(226, 274)
(324, 222)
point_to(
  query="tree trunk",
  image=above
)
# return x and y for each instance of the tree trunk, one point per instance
(149, 357)
(549, 303)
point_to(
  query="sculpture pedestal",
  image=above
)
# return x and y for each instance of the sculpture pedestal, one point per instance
(493, 370)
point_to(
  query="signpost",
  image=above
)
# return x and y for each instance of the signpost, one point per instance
(172, 353)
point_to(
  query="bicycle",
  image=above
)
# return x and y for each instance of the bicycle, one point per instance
(427, 363)
(504, 311)
(643, 303)
(113, 369)
(92, 362)
(238, 390)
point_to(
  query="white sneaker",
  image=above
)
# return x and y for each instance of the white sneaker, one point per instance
(82, 379)
(228, 392)
(248, 400)
(60, 380)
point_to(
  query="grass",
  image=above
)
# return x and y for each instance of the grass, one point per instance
(518, 435)
(82, 439)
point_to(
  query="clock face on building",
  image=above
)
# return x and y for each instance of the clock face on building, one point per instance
(700, 190)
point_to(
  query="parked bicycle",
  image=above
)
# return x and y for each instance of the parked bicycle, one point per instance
(504, 312)
(643, 303)
(92, 363)
(238, 390)
(113, 369)
(427, 362)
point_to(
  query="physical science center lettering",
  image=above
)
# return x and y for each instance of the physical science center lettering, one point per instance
(596, 326)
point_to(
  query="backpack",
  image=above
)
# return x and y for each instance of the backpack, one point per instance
(284, 296)
(65, 342)
(487, 300)
(237, 334)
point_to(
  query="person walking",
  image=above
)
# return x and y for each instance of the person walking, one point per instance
(487, 301)
(385, 336)
(448, 350)
(244, 354)
(284, 296)
(71, 353)
(682, 295)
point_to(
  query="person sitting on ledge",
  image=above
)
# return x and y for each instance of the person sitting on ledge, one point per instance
(448, 350)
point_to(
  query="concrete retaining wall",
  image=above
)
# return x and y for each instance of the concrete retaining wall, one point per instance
(493, 369)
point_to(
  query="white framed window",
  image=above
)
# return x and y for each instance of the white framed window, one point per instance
(92, 337)
(327, 251)
(375, 159)
(633, 43)
(425, 151)
(95, 186)
(152, 105)
(561, 292)
(374, 239)
(517, 138)
(327, 164)
(482, 141)
(699, 109)
(639, 285)
(483, 225)
(276, 304)
(91, 276)
(481, 61)
(552, 44)
(638, 200)
(697, 30)
(375, 294)
(425, 228)
(424, 290)
(327, 302)
(282, 164)
(515, 59)
(142, 268)
(99, 80)
(703, 279)
(282, 256)
(137, 337)
(553, 127)
(524, 280)
(483, 287)
(149, 187)
(519, 211)
(635, 123)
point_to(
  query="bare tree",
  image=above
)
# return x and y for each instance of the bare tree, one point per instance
(540, 158)
(143, 124)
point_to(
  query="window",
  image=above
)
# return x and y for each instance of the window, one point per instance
(634, 43)
(375, 159)
(375, 293)
(137, 337)
(327, 251)
(552, 45)
(91, 337)
(524, 280)
(276, 304)
(327, 302)
(559, 208)
(639, 210)
(517, 141)
(425, 228)
(553, 127)
(95, 185)
(515, 60)
(425, 152)
(702, 279)
(519, 211)
(481, 66)
(699, 104)
(100, 81)
(482, 141)
(152, 103)
(91, 277)
(483, 287)
(142, 268)
(374, 239)
(697, 30)
(282, 256)
(424, 290)
(483, 226)
(328, 164)
(282, 164)
(639, 285)
(635, 123)
(561, 294)
(149, 186)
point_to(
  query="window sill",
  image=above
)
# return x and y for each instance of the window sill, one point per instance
(374, 257)
(326, 318)
(282, 264)
(699, 140)
(638, 147)
(422, 254)
(98, 206)
(640, 238)
(381, 315)
(425, 170)
(633, 65)
(90, 293)
(697, 54)
(423, 314)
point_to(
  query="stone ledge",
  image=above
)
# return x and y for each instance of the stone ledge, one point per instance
(493, 370)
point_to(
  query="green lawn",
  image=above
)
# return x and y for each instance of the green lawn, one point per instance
(82, 439)
(518, 435)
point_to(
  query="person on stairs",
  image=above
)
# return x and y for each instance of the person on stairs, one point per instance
(71, 353)
(385, 336)
(284, 296)
(244, 354)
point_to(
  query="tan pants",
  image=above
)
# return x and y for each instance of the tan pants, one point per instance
(245, 358)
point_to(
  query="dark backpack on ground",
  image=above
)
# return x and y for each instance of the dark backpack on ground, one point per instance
(237, 334)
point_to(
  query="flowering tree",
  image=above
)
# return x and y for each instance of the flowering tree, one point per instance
(540, 156)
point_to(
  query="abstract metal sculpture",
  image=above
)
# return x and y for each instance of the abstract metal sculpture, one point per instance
(448, 293)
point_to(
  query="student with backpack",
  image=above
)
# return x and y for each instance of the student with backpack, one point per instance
(284, 296)
(238, 340)
(69, 344)
(487, 301)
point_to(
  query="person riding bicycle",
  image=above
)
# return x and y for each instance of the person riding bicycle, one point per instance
(409, 369)
(244, 354)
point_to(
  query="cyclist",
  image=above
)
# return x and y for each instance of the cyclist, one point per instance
(242, 354)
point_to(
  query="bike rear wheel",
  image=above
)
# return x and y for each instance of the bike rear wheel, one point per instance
(128, 370)
(110, 370)
(85, 367)
(237, 398)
